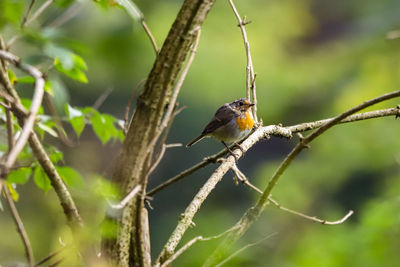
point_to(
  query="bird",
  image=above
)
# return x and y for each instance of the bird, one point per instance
(231, 122)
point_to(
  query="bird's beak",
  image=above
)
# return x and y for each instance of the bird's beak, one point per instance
(251, 104)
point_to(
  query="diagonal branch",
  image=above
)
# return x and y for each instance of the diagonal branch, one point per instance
(20, 112)
(254, 212)
(36, 103)
(20, 226)
(294, 129)
(245, 181)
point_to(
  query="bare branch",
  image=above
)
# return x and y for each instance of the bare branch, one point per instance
(250, 75)
(49, 257)
(20, 112)
(126, 199)
(10, 129)
(27, 13)
(187, 172)
(244, 248)
(161, 155)
(20, 227)
(245, 181)
(191, 243)
(294, 129)
(36, 103)
(148, 32)
(38, 12)
(312, 218)
(254, 212)
(126, 117)
(100, 100)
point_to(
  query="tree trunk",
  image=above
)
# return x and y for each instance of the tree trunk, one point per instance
(130, 247)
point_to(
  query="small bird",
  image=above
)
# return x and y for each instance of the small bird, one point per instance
(232, 122)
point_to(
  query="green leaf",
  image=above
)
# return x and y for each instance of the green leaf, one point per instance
(74, 72)
(71, 177)
(100, 127)
(26, 79)
(41, 179)
(130, 7)
(48, 88)
(56, 156)
(14, 194)
(76, 118)
(12, 77)
(66, 62)
(20, 176)
(78, 124)
(47, 129)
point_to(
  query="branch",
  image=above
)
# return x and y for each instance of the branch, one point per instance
(20, 227)
(49, 257)
(250, 75)
(126, 199)
(245, 181)
(254, 212)
(171, 105)
(20, 112)
(244, 248)
(38, 12)
(36, 103)
(294, 129)
(161, 155)
(128, 106)
(27, 13)
(148, 32)
(186, 219)
(312, 218)
(191, 243)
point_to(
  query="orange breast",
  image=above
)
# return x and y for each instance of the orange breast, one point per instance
(245, 122)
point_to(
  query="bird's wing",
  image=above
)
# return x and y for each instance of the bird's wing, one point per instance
(223, 115)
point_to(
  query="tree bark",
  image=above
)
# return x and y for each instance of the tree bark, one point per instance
(133, 161)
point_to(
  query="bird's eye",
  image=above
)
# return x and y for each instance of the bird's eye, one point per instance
(241, 103)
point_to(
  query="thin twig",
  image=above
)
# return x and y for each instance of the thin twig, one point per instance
(27, 13)
(151, 37)
(35, 15)
(126, 117)
(49, 257)
(250, 76)
(20, 227)
(68, 14)
(39, 11)
(100, 100)
(10, 129)
(126, 199)
(312, 218)
(245, 181)
(244, 248)
(187, 172)
(191, 243)
(36, 103)
(161, 155)
(59, 127)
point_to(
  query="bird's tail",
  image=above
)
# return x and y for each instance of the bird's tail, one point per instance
(194, 141)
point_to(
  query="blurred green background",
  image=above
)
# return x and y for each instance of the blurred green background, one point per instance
(313, 58)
